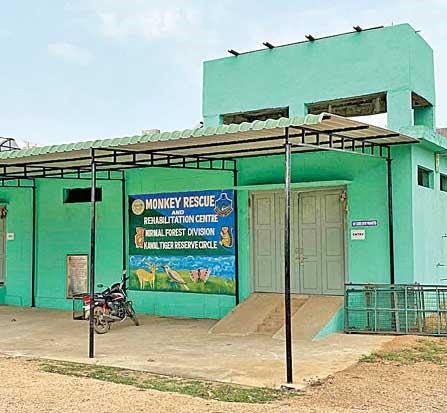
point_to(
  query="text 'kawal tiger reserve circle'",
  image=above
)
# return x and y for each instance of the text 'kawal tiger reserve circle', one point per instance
(138, 207)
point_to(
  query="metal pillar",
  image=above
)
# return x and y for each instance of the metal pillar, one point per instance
(33, 253)
(235, 240)
(91, 336)
(390, 215)
(288, 323)
(123, 201)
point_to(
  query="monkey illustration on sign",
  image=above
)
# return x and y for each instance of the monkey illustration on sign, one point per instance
(226, 234)
(139, 237)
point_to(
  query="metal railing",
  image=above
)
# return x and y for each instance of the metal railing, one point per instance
(396, 309)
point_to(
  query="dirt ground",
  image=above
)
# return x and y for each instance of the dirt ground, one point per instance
(385, 386)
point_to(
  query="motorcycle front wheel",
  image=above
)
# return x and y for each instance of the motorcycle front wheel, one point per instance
(132, 315)
(101, 325)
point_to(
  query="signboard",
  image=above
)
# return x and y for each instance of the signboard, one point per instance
(77, 275)
(183, 241)
(358, 234)
(366, 223)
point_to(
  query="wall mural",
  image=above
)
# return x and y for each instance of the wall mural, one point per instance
(182, 241)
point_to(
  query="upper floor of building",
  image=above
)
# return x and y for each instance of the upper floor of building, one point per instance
(380, 70)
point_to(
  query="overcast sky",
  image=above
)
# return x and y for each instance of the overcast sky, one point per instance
(84, 69)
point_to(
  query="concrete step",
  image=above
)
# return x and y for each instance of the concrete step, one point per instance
(259, 313)
(245, 318)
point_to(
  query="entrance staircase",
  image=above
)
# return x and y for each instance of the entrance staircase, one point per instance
(263, 313)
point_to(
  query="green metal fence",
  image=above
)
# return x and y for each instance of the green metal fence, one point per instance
(396, 309)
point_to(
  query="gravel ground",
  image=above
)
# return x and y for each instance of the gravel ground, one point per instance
(365, 387)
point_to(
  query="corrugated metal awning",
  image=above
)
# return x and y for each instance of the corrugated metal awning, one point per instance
(258, 138)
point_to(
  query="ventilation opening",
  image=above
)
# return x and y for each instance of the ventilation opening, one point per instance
(425, 177)
(443, 182)
(262, 114)
(354, 106)
(75, 195)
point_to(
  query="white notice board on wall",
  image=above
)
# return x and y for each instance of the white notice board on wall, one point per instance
(77, 274)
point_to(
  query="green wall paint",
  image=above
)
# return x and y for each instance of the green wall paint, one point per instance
(367, 199)
(403, 213)
(17, 289)
(332, 68)
(399, 109)
(243, 242)
(336, 323)
(430, 225)
(64, 229)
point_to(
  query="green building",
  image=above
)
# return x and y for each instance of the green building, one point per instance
(340, 204)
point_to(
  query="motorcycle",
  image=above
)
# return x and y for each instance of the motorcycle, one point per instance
(110, 305)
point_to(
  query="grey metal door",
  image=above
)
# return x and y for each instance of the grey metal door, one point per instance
(332, 243)
(317, 238)
(309, 250)
(321, 243)
(264, 242)
(268, 242)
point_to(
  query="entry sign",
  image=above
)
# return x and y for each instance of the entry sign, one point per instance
(365, 223)
(357, 234)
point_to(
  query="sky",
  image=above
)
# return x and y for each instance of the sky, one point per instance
(91, 69)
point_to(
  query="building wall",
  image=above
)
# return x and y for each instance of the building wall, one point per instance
(430, 225)
(403, 213)
(368, 261)
(65, 229)
(18, 202)
(395, 60)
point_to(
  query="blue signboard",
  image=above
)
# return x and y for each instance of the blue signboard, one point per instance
(365, 223)
(183, 241)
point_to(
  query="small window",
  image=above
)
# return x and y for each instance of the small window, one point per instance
(443, 182)
(75, 195)
(425, 177)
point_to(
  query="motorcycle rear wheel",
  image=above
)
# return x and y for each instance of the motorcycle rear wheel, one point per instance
(101, 325)
(132, 314)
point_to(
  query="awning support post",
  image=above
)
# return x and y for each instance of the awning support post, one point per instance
(123, 202)
(390, 215)
(236, 244)
(91, 336)
(33, 256)
(288, 323)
